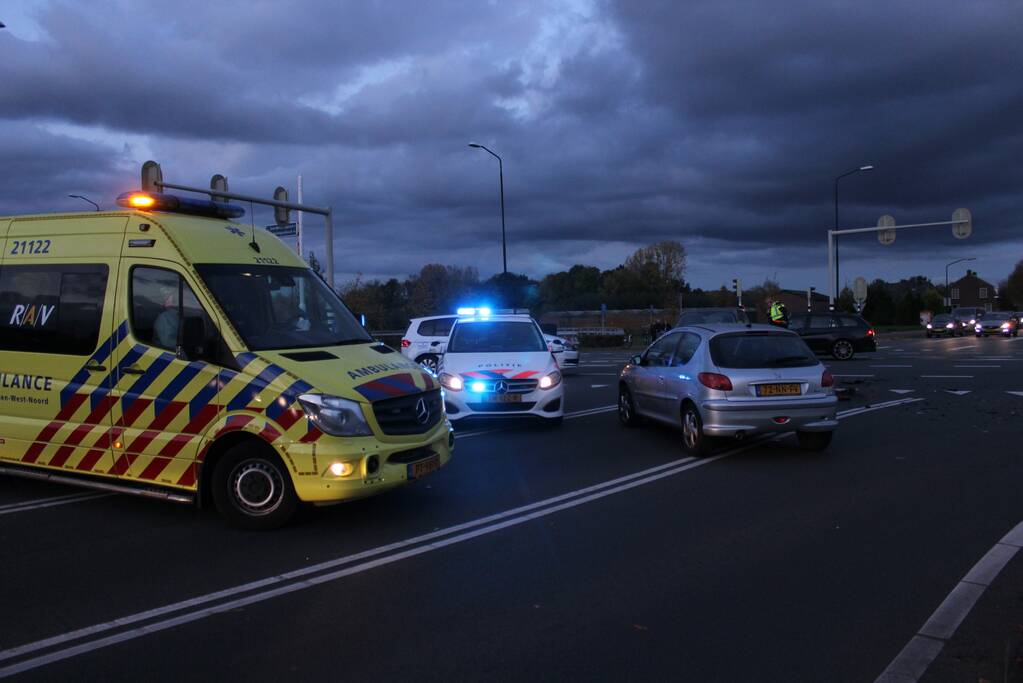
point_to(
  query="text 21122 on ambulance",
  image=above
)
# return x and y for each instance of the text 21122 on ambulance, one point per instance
(168, 351)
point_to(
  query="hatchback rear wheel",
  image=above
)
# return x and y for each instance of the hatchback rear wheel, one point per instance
(694, 441)
(842, 349)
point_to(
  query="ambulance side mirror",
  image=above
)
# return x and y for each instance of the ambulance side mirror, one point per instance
(192, 338)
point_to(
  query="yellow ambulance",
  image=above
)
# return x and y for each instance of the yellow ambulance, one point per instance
(167, 350)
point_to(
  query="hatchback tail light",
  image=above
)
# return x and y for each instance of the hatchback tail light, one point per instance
(405, 343)
(827, 379)
(713, 380)
(870, 332)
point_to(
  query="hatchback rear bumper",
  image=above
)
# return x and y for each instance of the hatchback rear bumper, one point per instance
(735, 418)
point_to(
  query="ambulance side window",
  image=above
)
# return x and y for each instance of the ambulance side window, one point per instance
(160, 299)
(52, 309)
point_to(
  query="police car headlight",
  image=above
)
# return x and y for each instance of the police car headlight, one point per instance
(451, 382)
(334, 415)
(978, 327)
(550, 381)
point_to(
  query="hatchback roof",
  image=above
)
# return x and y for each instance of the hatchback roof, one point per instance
(721, 328)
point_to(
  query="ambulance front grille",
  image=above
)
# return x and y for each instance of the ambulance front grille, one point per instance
(403, 415)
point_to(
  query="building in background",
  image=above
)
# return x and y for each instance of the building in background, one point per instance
(970, 290)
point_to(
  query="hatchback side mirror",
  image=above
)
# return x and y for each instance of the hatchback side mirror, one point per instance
(637, 360)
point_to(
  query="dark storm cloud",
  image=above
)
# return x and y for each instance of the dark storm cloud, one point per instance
(721, 124)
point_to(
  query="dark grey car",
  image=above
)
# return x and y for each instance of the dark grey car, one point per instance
(711, 316)
(730, 381)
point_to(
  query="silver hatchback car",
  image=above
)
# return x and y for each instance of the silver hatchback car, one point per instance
(730, 380)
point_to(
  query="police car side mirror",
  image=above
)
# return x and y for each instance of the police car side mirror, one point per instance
(191, 338)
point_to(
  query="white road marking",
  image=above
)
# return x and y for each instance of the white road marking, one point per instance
(27, 505)
(833, 375)
(1015, 393)
(568, 416)
(957, 348)
(599, 386)
(902, 391)
(310, 576)
(947, 376)
(910, 664)
(957, 392)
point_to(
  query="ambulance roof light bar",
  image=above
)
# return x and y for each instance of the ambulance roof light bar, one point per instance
(157, 201)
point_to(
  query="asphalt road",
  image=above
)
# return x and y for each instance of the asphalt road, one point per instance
(589, 551)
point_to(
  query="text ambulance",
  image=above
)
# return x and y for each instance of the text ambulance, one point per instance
(167, 351)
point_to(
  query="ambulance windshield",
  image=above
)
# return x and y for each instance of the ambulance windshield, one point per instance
(275, 307)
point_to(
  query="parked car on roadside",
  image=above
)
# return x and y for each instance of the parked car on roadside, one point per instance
(1004, 323)
(730, 380)
(843, 335)
(942, 325)
(426, 339)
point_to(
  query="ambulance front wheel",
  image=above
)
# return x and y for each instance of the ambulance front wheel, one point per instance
(252, 490)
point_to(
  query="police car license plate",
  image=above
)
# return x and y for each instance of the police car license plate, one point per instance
(503, 398)
(423, 467)
(777, 390)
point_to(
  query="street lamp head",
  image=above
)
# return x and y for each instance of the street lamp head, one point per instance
(473, 144)
(868, 167)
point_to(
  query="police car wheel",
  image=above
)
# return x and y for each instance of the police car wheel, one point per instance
(694, 441)
(252, 490)
(842, 350)
(429, 361)
(627, 408)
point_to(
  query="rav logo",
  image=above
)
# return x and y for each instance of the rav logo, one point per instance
(30, 316)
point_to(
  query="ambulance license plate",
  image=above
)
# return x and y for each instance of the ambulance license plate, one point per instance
(503, 398)
(423, 467)
(777, 390)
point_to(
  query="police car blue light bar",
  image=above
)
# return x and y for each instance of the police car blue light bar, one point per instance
(482, 312)
(157, 201)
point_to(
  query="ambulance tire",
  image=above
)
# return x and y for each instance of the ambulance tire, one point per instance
(252, 489)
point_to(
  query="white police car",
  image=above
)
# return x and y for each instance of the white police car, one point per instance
(500, 366)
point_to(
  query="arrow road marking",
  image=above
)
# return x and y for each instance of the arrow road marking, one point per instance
(957, 392)
(902, 391)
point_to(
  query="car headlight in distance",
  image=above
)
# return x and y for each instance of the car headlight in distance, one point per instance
(335, 415)
(1006, 325)
(550, 381)
(929, 326)
(949, 325)
(451, 382)
(978, 327)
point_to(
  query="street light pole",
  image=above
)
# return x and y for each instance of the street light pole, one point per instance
(84, 199)
(868, 167)
(500, 171)
(948, 294)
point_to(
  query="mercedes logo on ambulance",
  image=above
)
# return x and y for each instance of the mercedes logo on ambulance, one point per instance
(422, 411)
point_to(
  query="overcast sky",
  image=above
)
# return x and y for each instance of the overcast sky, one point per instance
(720, 124)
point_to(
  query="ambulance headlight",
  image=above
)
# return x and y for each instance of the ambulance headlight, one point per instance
(451, 382)
(550, 381)
(334, 415)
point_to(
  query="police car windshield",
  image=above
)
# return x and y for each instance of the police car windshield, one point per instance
(496, 336)
(276, 307)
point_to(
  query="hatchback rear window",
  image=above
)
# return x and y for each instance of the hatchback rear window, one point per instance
(760, 350)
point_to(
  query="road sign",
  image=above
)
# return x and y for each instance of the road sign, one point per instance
(286, 230)
(886, 237)
(963, 225)
(218, 182)
(860, 290)
(282, 215)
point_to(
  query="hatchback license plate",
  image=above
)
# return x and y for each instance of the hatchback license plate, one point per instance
(503, 398)
(423, 467)
(777, 390)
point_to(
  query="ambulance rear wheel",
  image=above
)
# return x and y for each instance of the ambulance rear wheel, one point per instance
(252, 490)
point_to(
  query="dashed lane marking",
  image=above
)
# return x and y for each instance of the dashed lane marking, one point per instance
(957, 392)
(902, 391)
(73, 643)
(1015, 393)
(599, 386)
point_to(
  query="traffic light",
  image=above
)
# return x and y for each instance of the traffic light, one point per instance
(737, 288)
(281, 214)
